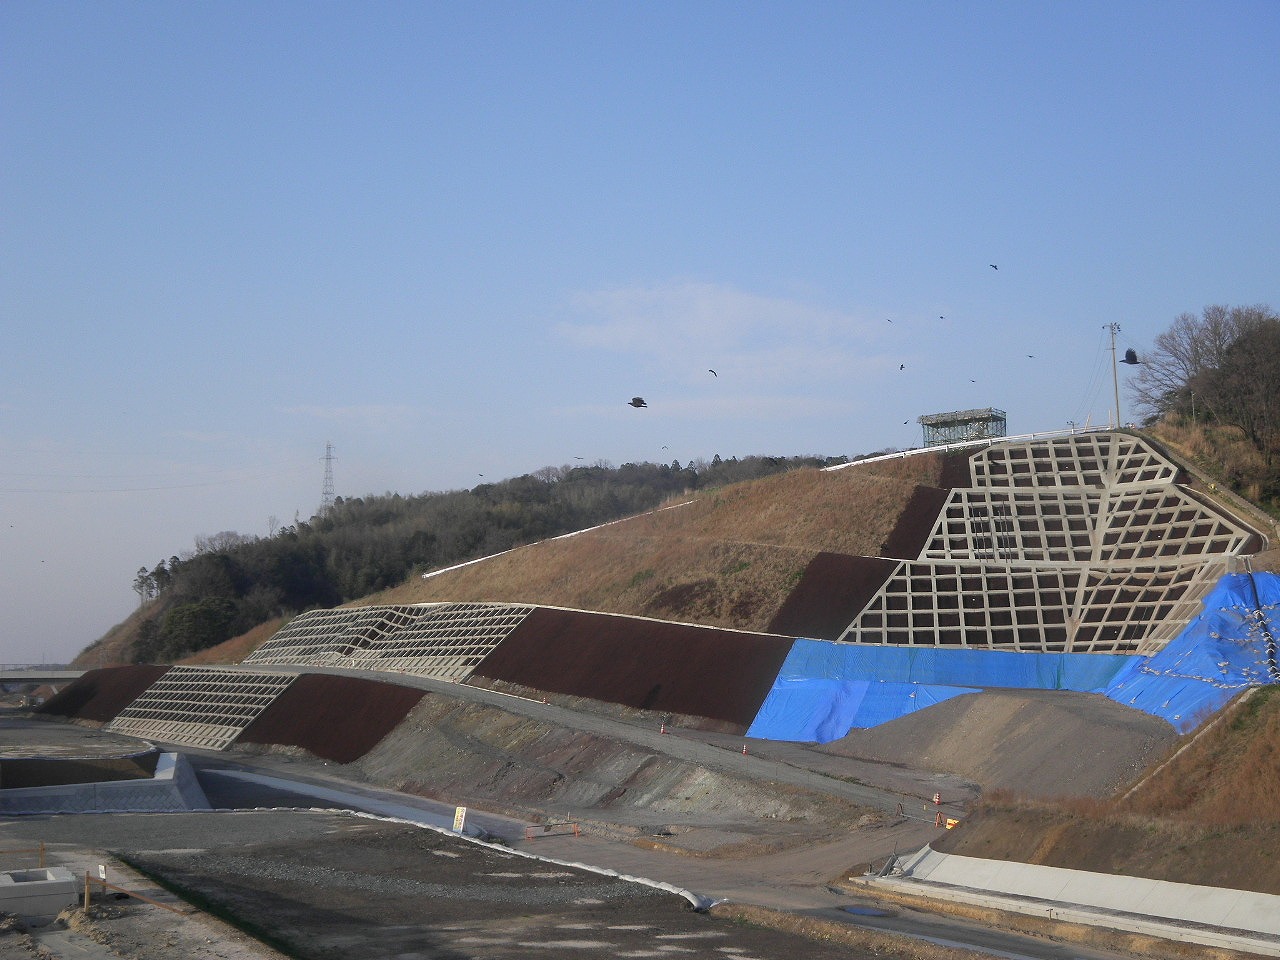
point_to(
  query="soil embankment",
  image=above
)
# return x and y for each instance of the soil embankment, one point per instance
(1036, 743)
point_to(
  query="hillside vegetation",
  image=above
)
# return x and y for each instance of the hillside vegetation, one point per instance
(1211, 383)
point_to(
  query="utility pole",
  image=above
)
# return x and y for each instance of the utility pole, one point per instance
(1115, 376)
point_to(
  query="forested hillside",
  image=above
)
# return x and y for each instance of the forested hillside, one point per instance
(231, 583)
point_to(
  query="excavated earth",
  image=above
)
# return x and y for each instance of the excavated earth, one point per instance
(684, 807)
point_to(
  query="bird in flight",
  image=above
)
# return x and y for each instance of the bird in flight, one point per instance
(1131, 356)
(902, 366)
(637, 402)
(993, 266)
(713, 373)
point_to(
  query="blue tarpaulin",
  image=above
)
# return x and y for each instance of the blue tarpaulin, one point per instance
(821, 710)
(1229, 647)
(826, 689)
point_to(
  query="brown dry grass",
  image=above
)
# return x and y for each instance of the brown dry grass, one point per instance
(237, 648)
(726, 557)
(1227, 776)
(1222, 452)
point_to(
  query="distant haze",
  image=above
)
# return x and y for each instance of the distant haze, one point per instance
(457, 239)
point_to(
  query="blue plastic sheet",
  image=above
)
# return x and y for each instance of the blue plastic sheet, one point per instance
(820, 710)
(826, 689)
(812, 659)
(1229, 647)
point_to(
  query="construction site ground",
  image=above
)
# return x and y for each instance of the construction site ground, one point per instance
(785, 827)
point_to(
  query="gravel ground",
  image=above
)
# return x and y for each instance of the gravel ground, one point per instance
(326, 884)
(330, 885)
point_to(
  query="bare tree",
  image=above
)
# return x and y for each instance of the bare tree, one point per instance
(1191, 347)
(1243, 389)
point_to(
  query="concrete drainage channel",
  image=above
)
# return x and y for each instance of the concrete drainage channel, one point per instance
(167, 782)
(36, 898)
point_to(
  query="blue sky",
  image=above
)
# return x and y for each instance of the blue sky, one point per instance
(454, 238)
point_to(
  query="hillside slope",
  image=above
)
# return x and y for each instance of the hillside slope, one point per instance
(1210, 815)
(726, 557)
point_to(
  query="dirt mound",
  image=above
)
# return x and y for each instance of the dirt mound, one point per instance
(500, 761)
(1039, 743)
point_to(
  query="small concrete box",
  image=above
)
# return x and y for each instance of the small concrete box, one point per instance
(37, 893)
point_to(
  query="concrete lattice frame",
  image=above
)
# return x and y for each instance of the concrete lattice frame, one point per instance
(1042, 609)
(328, 637)
(200, 706)
(1102, 460)
(1079, 525)
(440, 640)
(1071, 544)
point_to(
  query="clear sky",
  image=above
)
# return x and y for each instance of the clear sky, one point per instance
(454, 239)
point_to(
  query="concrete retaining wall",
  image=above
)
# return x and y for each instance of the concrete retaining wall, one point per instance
(174, 787)
(1212, 906)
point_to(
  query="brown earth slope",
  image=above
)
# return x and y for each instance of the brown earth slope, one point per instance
(671, 668)
(726, 557)
(1037, 743)
(100, 695)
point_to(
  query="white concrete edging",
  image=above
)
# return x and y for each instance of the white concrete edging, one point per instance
(1078, 896)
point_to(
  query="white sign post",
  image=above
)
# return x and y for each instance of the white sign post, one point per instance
(459, 819)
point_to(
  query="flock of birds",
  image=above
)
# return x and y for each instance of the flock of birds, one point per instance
(1130, 357)
(639, 402)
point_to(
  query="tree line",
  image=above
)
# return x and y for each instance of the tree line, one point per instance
(1221, 370)
(231, 583)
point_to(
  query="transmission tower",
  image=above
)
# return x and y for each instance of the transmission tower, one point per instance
(326, 493)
